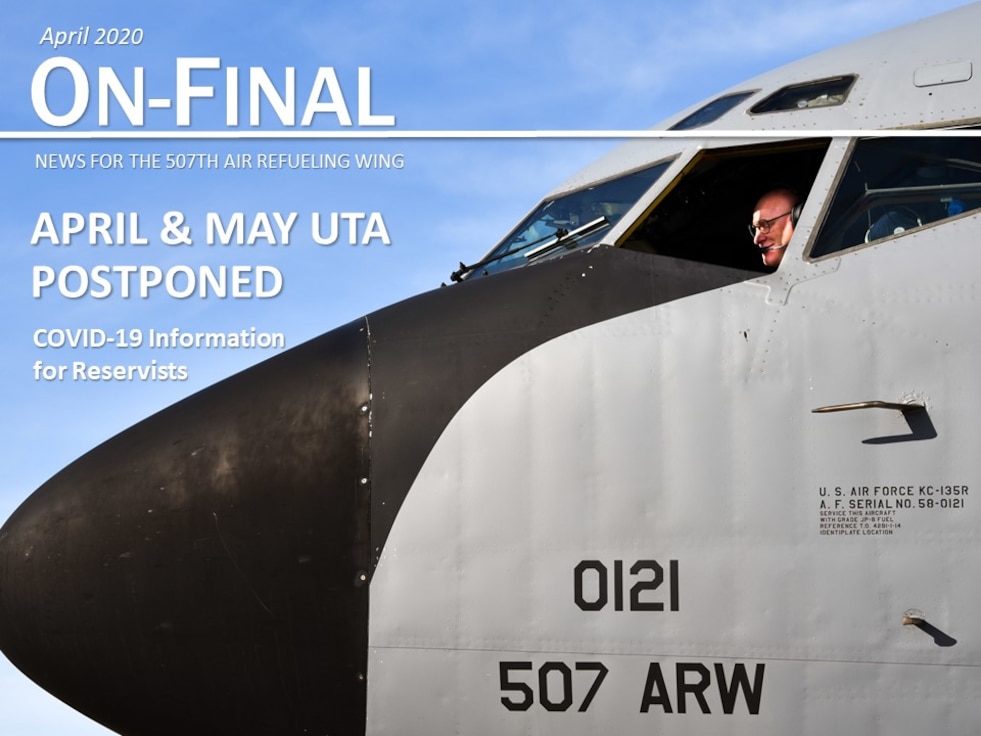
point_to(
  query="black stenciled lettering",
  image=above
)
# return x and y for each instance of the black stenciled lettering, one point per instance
(694, 688)
(693, 680)
(740, 681)
(618, 585)
(675, 584)
(601, 671)
(591, 586)
(636, 604)
(522, 688)
(556, 685)
(655, 691)
(545, 692)
(599, 601)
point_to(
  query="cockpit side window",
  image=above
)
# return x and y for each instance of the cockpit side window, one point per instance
(703, 216)
(712, 111)
(567, 222)
(894, 185)
(819, 93)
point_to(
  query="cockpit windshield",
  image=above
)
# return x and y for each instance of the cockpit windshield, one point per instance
(566, 222)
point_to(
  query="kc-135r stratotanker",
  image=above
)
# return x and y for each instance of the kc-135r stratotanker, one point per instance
(622, 478)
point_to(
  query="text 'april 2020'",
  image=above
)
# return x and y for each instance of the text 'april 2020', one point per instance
(96, 36)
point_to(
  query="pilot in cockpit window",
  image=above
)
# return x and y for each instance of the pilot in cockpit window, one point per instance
(774, 219)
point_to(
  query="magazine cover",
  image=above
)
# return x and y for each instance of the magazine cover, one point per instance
(191, 190)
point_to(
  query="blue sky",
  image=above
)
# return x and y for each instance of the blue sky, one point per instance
(435, 66)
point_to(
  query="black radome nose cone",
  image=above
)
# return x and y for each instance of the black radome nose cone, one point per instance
(203, 571)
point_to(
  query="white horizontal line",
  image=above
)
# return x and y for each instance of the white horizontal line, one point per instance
(164, 135)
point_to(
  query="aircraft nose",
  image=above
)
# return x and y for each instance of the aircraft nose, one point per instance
(206, 571)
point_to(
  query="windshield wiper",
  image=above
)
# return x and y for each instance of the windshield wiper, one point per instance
(569, 238)
(463, 270)
(561, 237)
